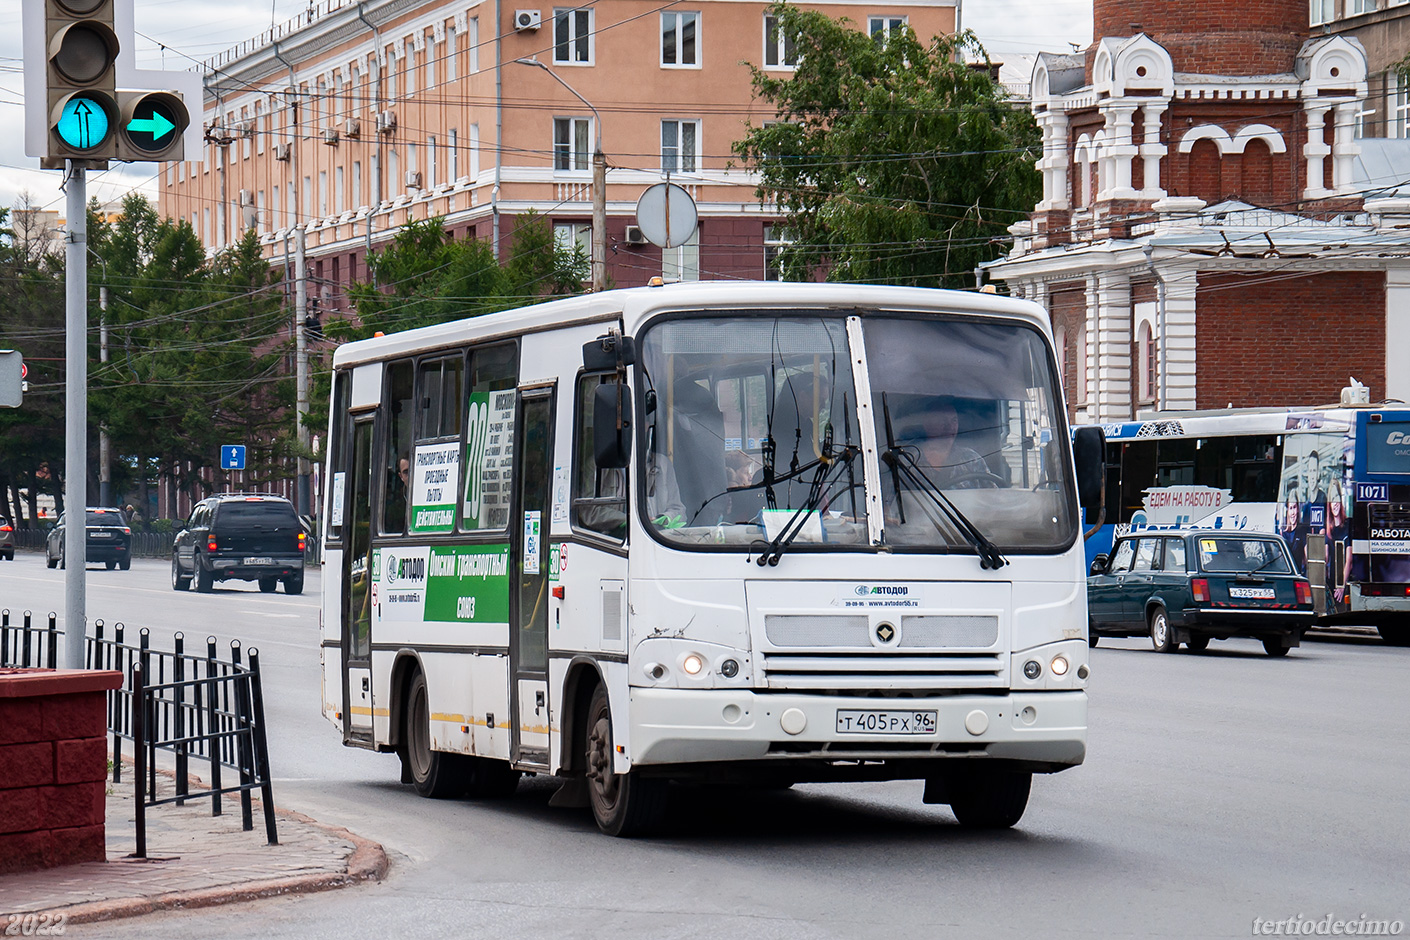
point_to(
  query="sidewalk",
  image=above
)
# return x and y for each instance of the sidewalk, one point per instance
(193, 860)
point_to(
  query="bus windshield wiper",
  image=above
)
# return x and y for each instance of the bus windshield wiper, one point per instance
(903, 466)
(829, 467)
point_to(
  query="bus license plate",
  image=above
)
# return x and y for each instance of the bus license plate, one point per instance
(1252, 593)
(872, 721)
(259, 561)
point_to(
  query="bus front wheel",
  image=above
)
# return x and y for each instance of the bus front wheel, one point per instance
(623, 804)
(986, 798)
(435, 774)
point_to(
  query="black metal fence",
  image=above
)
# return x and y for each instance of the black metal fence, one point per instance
(195, 707)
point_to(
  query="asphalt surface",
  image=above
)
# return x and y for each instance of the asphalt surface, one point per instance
(1219, 788)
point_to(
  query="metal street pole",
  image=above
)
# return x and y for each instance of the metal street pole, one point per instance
(105, 468)
(76, 416)
(599, 185)
(301, 366)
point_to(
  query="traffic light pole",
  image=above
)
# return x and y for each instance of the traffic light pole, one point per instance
(76, 415)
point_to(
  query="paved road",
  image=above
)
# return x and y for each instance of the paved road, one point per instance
(1219, 788)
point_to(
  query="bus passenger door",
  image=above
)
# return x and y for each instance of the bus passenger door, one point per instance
(528, 645)
(357, 591)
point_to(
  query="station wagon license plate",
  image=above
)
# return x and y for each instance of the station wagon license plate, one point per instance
(1252, 593)
(262, 560)
(877, 721)
(100, 535)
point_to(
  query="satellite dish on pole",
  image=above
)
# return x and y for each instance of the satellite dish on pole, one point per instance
(666, 215)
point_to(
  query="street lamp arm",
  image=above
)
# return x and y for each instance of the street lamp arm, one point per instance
(557, 78)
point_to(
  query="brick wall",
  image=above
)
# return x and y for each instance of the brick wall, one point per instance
(1068, 308)
(1260, 37)
(53, 761)
(1292, 342)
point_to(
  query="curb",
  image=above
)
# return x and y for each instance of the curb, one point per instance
(367, 862)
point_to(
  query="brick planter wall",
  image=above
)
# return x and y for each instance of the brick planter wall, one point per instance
(53, 766)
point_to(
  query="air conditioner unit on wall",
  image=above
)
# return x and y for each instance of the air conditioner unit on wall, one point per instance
(386, 122)
(527, 20)
(330, 135)
(246, 198)
(352, 127)
(634, 235)
(283, 151)
(413, 179)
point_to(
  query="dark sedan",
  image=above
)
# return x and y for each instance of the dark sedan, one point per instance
(7, 539)
(1195, 585)
(109, 539)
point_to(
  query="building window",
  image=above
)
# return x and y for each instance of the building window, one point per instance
(682, 263)
(453, 145)
(1362, 6)
(431, 58)
(357, 197)
(338, 189)
(1323, 11)
(568, 236)
(451, 49)
(775, 239)
(474, 152)
(391, 74)
(1400, 107)
(1365, 113)
(474, 49)
(680, 146)
(880, 28)
(431, 161)
(779, 51)
(322, 193)
(572, 36)
(1145, 363)
(570, 143)
(679, 35)
(410, 67)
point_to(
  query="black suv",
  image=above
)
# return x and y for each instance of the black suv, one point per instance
(109, 539)
(249, 538)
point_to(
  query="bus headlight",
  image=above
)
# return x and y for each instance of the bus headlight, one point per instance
(1032, 670)
(729, 668)
(1059, 665)
(692, 664)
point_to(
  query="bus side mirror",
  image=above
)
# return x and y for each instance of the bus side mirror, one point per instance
(610, 352)
(611, 426)
(1089, 451)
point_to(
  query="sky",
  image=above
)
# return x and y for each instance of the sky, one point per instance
(176, 34)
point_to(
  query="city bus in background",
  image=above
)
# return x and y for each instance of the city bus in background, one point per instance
(720, 533)
(1334, 482)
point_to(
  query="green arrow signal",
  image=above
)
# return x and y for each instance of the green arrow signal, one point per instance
(158, 126)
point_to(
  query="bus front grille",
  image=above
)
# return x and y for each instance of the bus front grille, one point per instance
(884, 670)
(844, 631)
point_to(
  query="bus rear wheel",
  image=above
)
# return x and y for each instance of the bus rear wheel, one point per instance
(986, 798)
(435, 774)
(623, 804)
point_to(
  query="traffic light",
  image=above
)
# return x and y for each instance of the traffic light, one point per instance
(152, 126)
(81, 48)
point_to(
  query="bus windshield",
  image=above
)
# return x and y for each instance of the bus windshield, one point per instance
(752, 431)
(970, 409)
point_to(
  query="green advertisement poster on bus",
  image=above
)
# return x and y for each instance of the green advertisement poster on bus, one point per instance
(442, 584)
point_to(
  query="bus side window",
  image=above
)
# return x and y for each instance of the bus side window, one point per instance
(488, 445)
(398, 413)
(599, 496)
(337, 450)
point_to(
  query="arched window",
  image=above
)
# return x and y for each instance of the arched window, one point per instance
(1145, 363)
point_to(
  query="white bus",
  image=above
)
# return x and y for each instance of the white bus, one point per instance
(730, 532)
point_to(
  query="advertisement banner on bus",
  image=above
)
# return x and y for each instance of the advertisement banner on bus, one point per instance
(442, 584)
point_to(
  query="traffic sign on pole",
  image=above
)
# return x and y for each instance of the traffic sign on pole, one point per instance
(232, 457)
(12, 373)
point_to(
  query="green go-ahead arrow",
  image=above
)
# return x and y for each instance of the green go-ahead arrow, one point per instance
(158, 126)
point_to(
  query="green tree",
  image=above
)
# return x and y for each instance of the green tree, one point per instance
(892, 161)
(32, 321)
(197, 353)
(423, 277)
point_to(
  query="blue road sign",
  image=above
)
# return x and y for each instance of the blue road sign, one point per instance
(83, 123)
(232, 457)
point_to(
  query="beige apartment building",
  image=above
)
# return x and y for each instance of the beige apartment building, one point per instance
(359, 117)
